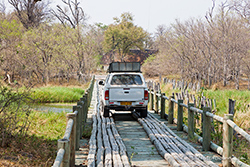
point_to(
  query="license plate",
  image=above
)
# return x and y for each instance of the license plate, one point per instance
(126, 103)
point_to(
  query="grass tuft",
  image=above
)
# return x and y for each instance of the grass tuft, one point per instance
(57, 94)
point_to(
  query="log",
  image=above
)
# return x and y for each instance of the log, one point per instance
(196, 154)
(121, 146)
(92, 143)
(169, 145)
(159, 146)
(115, 149)
(107, 147)
(178, 147)
(100, 148)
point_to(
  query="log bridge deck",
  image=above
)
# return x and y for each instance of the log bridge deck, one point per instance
(128, 140)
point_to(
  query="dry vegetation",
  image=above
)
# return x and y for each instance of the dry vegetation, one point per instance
(212, 50)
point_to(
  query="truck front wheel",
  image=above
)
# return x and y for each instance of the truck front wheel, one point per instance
(106, 112)
(144, 112)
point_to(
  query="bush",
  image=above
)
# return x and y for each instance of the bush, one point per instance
(14, 114)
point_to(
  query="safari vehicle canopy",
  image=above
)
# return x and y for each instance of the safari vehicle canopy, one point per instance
(124, 67)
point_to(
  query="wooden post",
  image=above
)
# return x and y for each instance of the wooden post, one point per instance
(227, 141)
(88, 97)
(191, 121)
(72, 138)
(206, 129)
(180, 116)
(151, 100)
(231, 106)
(162, 106)
(85, 108)
(155, 102)
(170, 111)
(85, 111)
(149, 96)
(80, 110)
(77, 142)
(64, 144)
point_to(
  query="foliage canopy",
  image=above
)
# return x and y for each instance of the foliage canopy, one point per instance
(123, 35)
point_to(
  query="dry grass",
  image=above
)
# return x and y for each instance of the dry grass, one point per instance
(242, 119)
(29, 151)
(39, 147)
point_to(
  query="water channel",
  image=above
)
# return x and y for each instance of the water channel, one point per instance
(54, 107)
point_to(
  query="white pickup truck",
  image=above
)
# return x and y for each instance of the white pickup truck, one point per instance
(124, 89)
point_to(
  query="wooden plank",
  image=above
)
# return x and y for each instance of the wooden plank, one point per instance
(140, 151)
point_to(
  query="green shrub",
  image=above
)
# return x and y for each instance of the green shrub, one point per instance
(14, 113)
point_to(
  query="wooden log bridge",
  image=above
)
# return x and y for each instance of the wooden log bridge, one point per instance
(107, 148)
(128, 140)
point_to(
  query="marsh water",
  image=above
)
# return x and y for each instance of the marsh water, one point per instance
(54, 107)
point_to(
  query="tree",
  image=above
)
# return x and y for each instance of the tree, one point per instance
(30, 12)
(215, 50)
(10, 38)
(38, 48)
(93, 50)
(123, 35)
(73, 15)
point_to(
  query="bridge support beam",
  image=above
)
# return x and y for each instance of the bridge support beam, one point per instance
(227, 141)
(206, 129)
(162, 106)
(180, 116)
(72, 138)
(64, 144)
(191, 125)
(151, 100)
(155, 102)
(170, 110)
(77, 139)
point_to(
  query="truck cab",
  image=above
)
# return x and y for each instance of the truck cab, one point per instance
(124, 89)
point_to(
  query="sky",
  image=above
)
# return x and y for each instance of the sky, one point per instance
(148, 14)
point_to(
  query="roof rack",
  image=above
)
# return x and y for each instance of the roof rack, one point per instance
(124, 67)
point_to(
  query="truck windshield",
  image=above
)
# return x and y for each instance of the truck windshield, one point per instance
(126, 79)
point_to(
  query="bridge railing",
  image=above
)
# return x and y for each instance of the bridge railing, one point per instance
(74, 130)
(158, 100)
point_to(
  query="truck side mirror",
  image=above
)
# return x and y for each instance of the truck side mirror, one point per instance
(101, 83)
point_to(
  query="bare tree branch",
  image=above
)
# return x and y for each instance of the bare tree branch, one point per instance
(30, 12)
(2, 7)
(74, 17)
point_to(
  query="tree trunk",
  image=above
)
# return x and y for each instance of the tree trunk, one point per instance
(237, 86)
(248, 85)
(225, 72)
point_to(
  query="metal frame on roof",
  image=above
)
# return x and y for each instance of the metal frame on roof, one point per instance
(124, 67)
